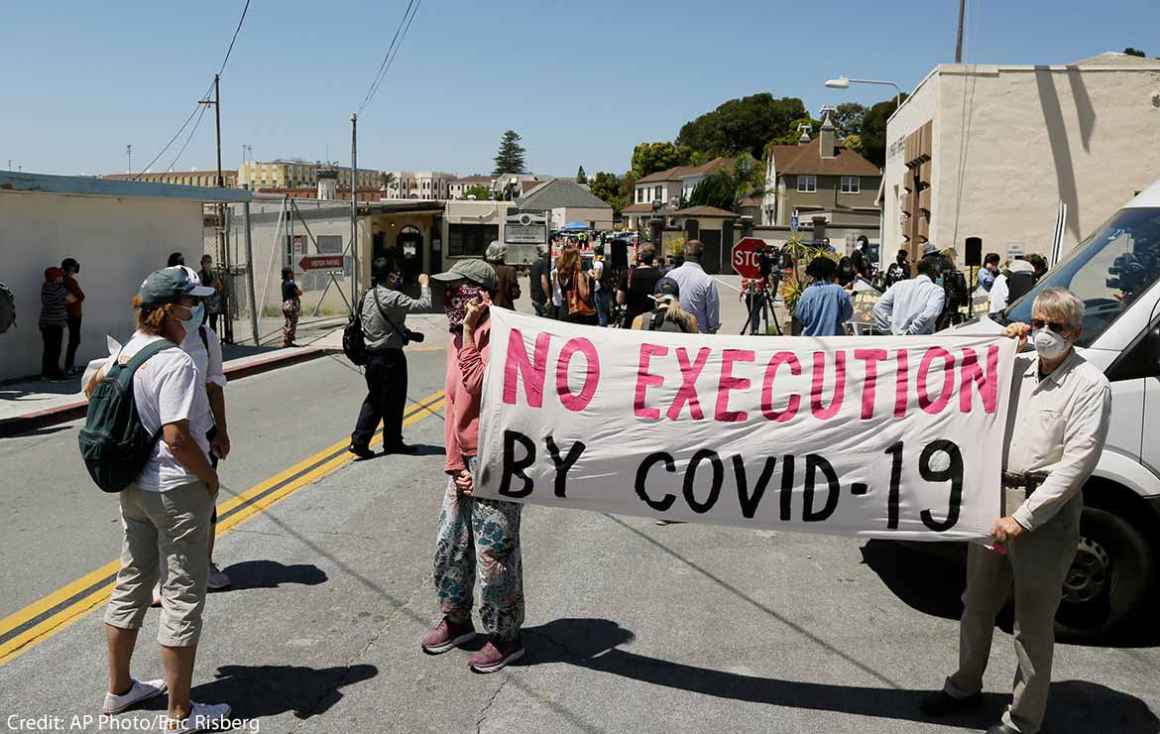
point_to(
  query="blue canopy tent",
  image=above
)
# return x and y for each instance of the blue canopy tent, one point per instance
(575, 227)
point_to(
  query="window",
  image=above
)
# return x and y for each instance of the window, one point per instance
(807, 184)
(470, 240)
(639, 196)
(1108, 271)
(658, 193)
(851, 185)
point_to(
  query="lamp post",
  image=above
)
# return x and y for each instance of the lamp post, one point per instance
(844, 82)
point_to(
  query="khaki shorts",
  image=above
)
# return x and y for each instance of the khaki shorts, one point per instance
(171, 530)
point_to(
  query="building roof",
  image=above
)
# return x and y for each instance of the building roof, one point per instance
(226, 173)
(1115, 58)
(806, 158)
(561, 192)
(749, 201)
(705, 212)
(88, 186)
(473, 180)
(642, 208)
(678, 172)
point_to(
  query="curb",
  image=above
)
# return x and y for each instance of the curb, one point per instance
(28, 422)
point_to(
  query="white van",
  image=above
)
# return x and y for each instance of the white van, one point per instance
(1115, 272)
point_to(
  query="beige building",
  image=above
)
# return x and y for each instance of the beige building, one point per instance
(457, 188)
(989, 151)
(258, 175)
(564, 201)
(820, 177)
(432, 185)
(662, 193)
(207, 178)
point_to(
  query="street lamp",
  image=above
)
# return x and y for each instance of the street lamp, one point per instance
(844, 82)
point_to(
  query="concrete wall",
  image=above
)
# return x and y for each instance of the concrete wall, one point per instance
(1010, 142)
(118, 242)
(601, 215)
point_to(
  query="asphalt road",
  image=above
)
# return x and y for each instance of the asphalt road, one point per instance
(630, 627)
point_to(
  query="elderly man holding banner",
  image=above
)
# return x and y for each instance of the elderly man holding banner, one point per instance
(1059, 421)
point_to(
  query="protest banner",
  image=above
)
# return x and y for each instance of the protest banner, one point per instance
(888, 437)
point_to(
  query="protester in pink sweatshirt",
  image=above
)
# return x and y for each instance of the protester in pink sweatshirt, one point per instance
(476, 536)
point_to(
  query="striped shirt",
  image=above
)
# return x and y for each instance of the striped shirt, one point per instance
(53, 297)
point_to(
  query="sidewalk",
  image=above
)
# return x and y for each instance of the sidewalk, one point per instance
(31, 404)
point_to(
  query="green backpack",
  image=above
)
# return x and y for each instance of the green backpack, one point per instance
(114, 444)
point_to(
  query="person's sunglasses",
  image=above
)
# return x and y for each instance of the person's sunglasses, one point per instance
(1055, 326)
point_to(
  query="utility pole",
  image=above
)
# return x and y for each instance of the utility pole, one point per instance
(353, 208)
(129, 154)
(223, 255)
(959, 40)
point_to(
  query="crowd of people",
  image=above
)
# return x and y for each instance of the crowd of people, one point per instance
(168, 509)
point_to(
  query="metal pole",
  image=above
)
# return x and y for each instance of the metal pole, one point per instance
(959, 39)
(217, 116)
(250, 273)
(353, 207)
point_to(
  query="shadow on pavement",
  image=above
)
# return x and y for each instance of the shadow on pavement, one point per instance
(272, 574)
(1076, 706)
(425, 449)
(269, 690)
(931, 580)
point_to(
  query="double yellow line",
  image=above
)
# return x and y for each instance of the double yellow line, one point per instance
(45, 617)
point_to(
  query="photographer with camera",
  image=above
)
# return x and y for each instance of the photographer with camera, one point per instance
(383, 314)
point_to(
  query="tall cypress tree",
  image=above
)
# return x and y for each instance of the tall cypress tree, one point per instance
(510, 158)
(581, 177)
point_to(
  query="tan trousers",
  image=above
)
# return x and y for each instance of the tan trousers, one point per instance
(1035, 566)
(164, 528)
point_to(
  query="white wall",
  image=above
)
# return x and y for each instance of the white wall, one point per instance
(118, 242)
(1010, 142)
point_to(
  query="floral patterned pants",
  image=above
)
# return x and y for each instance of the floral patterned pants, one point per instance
(478, 536)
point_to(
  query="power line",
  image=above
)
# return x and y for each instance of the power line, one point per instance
(235, 38)
(177, 134)
(392, 51)
(199, 107)
(189, 138)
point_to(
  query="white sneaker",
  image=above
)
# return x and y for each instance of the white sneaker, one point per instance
(202, 717)
(217, 579)
(141, 691)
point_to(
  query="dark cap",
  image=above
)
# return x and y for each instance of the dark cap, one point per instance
(664, 288)
(477, 271)
(168, 285)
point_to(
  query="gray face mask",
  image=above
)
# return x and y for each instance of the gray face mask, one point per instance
(1049, 344)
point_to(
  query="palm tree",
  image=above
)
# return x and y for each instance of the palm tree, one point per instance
(386, 178)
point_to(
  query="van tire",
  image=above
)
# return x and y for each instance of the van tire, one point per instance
(1108, 580)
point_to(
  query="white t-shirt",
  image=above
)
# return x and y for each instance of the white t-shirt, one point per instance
(597, 272)
(167, 389)
(208, 362)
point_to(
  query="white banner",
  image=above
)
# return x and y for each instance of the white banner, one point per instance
(887, 437)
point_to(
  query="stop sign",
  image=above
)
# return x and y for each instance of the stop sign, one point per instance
(746, 257)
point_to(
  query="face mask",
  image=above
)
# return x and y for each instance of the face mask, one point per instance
(1050, 345)
(455, 302)
(194, 321)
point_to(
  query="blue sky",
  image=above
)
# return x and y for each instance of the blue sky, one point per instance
(582, 82)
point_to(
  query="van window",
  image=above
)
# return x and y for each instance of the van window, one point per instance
(1107, 271)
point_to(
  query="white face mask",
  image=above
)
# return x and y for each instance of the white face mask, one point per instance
(196, 314)
(1050, 345)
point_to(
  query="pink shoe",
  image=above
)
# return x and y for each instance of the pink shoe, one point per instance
(495, 655)
(446, 635)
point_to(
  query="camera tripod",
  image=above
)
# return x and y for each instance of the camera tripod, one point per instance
(766, 294)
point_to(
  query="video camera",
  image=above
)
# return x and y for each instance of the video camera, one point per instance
(771, 259)
(1127, 272)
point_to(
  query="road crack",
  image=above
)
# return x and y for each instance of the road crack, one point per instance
(487, 706)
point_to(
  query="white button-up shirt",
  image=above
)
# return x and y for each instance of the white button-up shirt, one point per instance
(1060, 424)
(910, 307)
(698, 295)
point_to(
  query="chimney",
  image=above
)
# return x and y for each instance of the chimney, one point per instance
(826, 138)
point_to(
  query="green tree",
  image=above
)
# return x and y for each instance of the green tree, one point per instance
(386, 178)
(510, 158)
(848, 117)
(607, 186)
(853, 142)
(717, 189)
(479, 192)
(793, 134)
(581, 177)
(738, 125)
(1135, 52)
(874, 131)
(652, 157)
(748, 175)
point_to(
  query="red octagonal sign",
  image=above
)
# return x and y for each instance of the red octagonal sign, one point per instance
(746, 258)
